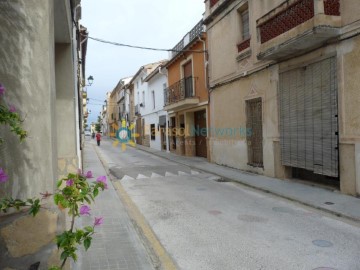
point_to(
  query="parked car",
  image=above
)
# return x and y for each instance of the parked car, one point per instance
(87, 133)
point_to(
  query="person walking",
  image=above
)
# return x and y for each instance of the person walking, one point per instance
(98, 138)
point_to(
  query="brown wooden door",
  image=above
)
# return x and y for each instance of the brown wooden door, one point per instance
(188, 69)
(200, 138)
(188, 82)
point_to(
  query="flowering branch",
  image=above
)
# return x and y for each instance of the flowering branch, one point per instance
(72, 193)
(77, 191)
(9, 116)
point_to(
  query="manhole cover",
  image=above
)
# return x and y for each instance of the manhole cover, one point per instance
(329, 203)
(322, 243)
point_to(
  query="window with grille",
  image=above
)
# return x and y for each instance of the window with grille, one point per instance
(255, 136)
(152, 128)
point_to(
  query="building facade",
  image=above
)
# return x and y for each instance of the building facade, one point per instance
(43, 76)
(186, 97)
(153, 113)
(282, 72)
(140, 92)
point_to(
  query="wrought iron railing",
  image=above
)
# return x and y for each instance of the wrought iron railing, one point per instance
(185, 88)
(194, 33)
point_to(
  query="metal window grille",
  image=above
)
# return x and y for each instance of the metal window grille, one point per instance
(255, 138)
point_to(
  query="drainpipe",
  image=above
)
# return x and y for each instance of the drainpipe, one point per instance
(205, 64)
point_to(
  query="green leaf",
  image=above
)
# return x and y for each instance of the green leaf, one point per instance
(89, 229)
(87, 200)
(64, 255)
(87, 243)
(59, 183)
(57, 198)
(95, 192)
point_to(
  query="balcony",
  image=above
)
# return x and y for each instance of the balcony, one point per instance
(181, 95)
(298, 26)
(188, 38)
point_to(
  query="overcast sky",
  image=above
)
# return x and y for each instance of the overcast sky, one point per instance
(156, 23)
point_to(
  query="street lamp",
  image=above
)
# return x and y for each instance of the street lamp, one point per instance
(90, 80)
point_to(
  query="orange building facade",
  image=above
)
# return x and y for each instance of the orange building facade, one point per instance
(186, 98)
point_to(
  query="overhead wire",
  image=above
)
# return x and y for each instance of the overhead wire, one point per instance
(142, 47)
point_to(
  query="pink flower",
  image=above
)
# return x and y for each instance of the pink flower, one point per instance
(69, 182)
(3, 176)
(102, 179)
(2, 90)
(98, 221)
(12, 109)
(89, 174)
(85, 210)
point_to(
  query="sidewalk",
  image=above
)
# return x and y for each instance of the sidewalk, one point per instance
(319, 198)
(116, 244)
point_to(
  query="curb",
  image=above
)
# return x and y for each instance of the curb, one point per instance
(157, 253)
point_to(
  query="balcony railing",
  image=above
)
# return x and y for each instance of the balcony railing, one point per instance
(188, 38)
(179, 91)
(295, 14)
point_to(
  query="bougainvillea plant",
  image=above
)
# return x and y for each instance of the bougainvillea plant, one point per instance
(74, 193)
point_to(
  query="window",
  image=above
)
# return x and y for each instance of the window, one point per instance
(245, 29)
(254, 134)
(153, 98)
(152, 128)
(143, 98)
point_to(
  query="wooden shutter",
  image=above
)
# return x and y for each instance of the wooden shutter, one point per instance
(308, 118)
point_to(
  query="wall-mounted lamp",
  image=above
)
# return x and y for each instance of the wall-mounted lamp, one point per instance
(90, 80)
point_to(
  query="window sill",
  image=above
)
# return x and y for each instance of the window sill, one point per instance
(243, 54)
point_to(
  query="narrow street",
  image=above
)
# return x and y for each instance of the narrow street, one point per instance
(206, 224)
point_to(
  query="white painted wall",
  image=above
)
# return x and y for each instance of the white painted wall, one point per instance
(152, 113)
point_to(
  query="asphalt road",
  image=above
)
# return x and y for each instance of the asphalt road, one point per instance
(205, 224)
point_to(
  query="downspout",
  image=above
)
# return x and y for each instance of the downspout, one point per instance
(205, 65)
(207, 88)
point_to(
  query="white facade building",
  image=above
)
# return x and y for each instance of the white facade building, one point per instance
(142, 104)
(152, 111)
